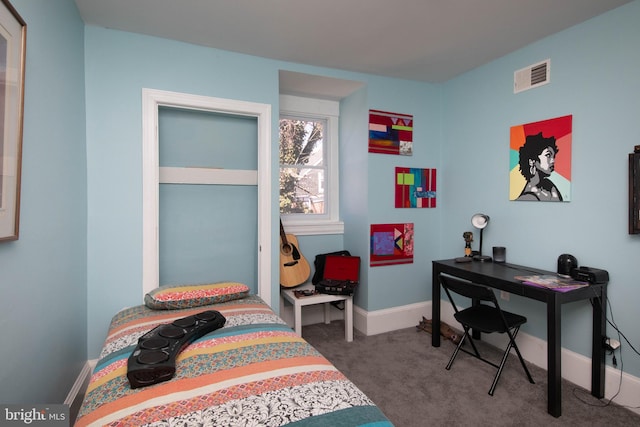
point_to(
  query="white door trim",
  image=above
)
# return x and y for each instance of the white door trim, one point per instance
(151, 100)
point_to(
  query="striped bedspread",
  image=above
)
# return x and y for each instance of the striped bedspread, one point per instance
(255, 371)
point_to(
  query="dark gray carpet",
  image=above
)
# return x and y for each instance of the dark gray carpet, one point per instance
(406, 377)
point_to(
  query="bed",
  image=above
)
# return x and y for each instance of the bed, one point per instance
(254, 371)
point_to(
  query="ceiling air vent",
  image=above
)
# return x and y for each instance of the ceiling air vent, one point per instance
(532, 76)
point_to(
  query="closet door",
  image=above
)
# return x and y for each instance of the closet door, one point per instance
(207, 232)
(207, 205)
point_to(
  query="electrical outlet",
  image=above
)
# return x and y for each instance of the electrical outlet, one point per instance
(612, 344)
(504, 295)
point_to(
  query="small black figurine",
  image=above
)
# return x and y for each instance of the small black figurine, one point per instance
(468, 253)
(468, 238)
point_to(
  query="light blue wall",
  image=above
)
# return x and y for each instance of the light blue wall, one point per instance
(81, 203)
(120, 64)
(43, 285)
(367, 188)
(594, 77)
(397, 285)
(200, 241)
(461, 129)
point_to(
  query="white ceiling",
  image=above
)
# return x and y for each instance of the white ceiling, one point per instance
(425, 40)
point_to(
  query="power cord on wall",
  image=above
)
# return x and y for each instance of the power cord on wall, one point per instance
(610, 351)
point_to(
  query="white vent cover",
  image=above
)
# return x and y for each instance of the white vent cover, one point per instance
(532, 76)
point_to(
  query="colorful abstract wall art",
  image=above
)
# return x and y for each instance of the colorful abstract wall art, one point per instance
(415, 188)
(391, 244)
(390, 133)
(540, 161)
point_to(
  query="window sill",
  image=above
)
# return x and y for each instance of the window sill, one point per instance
(313, 228)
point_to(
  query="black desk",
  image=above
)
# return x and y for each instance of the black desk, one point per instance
(501, 276)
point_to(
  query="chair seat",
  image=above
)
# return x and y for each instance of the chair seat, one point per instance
(487, 319)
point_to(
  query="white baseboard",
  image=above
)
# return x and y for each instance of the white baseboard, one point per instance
(389, 319)
(76, 394)
(576, 367)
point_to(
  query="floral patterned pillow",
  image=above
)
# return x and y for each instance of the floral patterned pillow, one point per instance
(175, 297)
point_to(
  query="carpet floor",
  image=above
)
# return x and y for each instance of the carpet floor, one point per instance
(406, 377)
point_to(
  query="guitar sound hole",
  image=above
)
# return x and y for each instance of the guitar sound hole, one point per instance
(286, 249)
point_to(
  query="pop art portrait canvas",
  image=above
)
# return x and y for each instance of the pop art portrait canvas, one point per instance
(540, 161)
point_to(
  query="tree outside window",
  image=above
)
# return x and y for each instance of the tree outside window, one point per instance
(302, 166)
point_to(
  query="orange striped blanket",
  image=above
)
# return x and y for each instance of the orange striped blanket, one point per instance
(255, 371)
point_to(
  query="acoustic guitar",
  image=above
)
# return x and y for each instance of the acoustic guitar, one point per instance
(294, 268)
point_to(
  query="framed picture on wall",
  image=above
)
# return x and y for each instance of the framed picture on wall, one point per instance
(540, 161)
(390, 133)
(391, 244)
(13, 32)
(415, 188)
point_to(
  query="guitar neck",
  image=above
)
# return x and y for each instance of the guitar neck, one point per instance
(283, 235)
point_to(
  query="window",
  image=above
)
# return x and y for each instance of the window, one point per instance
(302, 165)
(309, 165)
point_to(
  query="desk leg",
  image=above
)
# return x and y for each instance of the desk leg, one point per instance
(435, 307)
(597, 347)
(348, 319)
(554, 362)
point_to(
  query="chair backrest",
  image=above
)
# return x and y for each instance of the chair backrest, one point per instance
(467, 289)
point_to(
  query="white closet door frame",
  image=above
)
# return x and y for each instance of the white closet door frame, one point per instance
(153, 175)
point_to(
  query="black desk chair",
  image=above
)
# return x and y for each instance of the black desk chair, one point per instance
(487, 318)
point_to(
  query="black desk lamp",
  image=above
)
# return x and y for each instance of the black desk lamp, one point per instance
(480, 221)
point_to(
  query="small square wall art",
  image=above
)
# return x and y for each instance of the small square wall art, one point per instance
(391, 244)
(415, 188)
(390, 133)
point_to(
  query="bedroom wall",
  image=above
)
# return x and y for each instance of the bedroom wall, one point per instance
(462, 129)
(43, 274)
(193, 248)
(593, 77)
(119, 64)
(399, 285)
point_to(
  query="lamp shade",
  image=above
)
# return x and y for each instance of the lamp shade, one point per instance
(480, 221)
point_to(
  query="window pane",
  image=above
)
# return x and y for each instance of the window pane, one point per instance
(302, 166)
(302, 190)
(301, 142)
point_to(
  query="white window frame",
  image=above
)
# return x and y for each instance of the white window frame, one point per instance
(319, 109)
